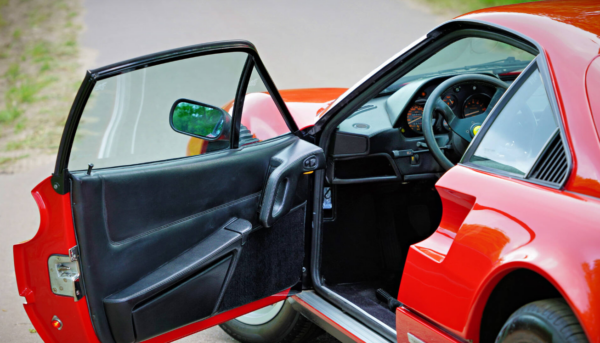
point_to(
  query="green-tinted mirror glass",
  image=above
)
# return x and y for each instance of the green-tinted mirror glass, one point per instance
(197, 119)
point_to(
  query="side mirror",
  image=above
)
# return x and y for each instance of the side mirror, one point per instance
(199, 120)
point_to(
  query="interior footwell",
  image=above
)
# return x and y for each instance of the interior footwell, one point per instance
(362, 294)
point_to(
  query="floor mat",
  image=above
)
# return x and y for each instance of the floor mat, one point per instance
(363, 295)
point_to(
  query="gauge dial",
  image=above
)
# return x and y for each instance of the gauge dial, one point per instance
(450, 100)
(476, 104)
(414, 117)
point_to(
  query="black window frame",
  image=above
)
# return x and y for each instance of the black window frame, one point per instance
(59, 179)
(539, 63)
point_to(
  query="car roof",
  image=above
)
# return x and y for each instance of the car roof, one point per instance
(568, 34)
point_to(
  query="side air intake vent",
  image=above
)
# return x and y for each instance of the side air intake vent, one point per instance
(552, 166)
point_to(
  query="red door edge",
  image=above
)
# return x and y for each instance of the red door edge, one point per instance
(56, 235)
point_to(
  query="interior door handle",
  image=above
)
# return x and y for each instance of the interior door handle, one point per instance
(287, 166)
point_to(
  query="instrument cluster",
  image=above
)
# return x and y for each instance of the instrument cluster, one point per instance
(465, 100)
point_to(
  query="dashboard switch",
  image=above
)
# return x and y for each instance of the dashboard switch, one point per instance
(415, 160)
(310, 163)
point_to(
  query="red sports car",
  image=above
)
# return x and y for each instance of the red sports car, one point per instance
(452, 195)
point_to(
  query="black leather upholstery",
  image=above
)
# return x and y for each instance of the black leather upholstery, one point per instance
(151, 228)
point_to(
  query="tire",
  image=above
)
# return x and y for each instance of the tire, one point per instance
(286, 325)
(544, 321)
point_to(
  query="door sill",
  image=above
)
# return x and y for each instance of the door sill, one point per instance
(333, 320)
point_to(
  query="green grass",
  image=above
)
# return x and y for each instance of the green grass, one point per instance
(41, 52)
(40, 49)
(2, 4)
(24, 93)
(23, 89)
(13, 72)
(471, 5)
(9, 114)
(37, 17)
(7, 160)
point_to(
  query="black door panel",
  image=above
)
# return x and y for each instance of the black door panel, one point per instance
(147, 232)
(190, 301)
(145, 296)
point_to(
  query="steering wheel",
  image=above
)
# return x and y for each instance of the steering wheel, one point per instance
(465, 128)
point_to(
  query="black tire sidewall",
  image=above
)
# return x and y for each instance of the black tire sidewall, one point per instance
(530, 323)
(549, 320)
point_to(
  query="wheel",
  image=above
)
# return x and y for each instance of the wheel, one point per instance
(544, 321)
(275, 323)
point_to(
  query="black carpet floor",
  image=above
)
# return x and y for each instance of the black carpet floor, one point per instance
(362, 294)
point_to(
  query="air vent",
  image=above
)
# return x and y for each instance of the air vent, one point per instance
(552, 166)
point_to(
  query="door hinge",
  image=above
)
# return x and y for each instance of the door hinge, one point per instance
(65, 274)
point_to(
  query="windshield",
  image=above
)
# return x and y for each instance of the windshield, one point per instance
(468, 55)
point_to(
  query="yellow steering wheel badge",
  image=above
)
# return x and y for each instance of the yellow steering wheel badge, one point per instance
(476, 129)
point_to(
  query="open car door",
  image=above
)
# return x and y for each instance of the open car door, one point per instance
(178, 201)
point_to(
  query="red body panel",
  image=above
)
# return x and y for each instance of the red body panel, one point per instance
(592, 82)
(304, 104)
(568, 33)
(56, 235)
(408, 322)
(492, 225)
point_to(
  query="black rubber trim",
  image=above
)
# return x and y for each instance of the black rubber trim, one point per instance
(239, 103)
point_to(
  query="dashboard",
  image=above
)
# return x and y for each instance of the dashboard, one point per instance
(383, 139)
(465, 100)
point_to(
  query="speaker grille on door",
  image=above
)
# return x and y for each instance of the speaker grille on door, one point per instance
(552, 166)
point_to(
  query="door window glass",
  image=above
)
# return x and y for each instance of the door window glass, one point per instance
(126, 119)
(261, 119)
(520, 132)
